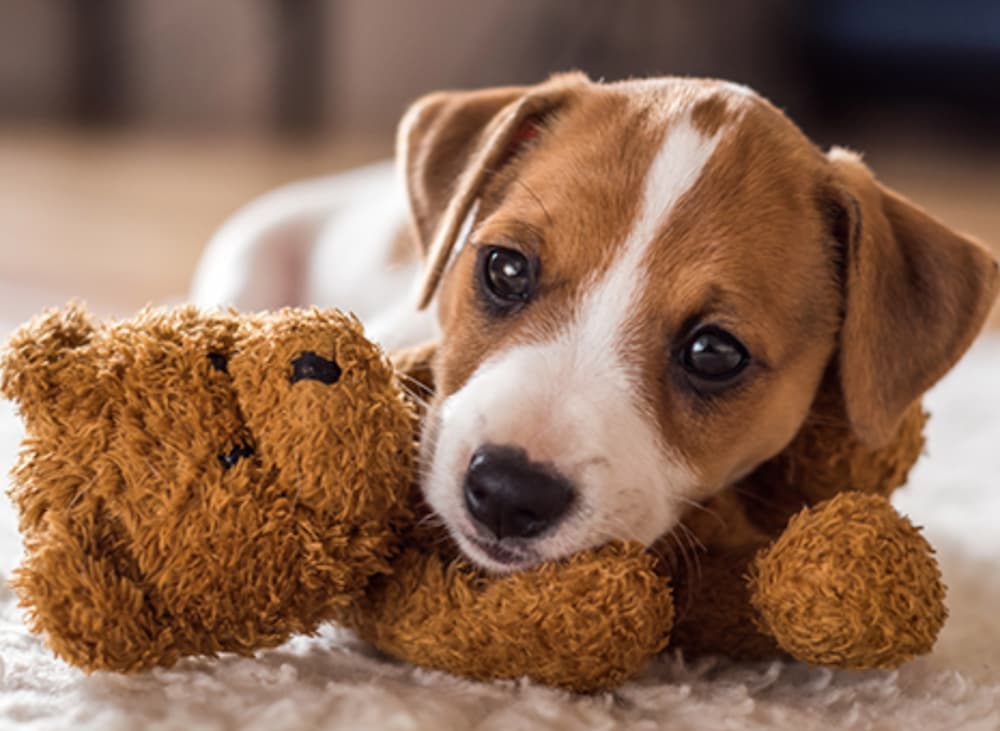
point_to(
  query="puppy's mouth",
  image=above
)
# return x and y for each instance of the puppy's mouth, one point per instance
(499, 557)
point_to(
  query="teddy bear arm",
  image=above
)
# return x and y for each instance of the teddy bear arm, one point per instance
(585, 624)
(850, 583)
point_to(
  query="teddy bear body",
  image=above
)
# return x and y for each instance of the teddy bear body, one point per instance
(195, 483)
(174, 495)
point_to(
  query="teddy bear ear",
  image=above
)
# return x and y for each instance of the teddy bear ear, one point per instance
(43, 354)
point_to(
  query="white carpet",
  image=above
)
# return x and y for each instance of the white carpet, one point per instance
(331, 682)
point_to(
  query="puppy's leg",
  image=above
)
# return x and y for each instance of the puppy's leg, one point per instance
(261, 256)
(714, 614)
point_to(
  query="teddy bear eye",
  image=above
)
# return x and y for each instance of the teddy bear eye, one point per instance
(312, 367)
(219, 362)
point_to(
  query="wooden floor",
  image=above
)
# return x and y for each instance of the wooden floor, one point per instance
(120, 220)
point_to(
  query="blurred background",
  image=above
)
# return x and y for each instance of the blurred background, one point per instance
(129, 129)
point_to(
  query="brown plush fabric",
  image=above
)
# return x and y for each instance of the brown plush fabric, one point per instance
(195, 483)
(850, 583)
(141, 545)
(587, 623)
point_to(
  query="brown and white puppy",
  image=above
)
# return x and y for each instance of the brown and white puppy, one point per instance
(639, 287)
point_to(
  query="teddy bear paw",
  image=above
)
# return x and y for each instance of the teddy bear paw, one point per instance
(851, 584)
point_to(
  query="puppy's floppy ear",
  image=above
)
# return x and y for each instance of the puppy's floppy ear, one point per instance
(916, 295)
(449, 143)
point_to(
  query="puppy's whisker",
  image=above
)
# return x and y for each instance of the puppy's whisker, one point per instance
(537, 198)
(415, 397)
(692, 538)
(408, 391)
(818, 417)
(692, 568)
(697, 547)
(415, 383)
(759, 499)
(700, 506)
(689, 562)
(431, 519)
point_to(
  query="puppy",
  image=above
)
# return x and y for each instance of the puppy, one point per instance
(639, 287)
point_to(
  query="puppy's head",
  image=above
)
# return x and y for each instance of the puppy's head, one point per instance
(640, 286)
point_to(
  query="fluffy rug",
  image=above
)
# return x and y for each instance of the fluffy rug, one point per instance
(332, 681)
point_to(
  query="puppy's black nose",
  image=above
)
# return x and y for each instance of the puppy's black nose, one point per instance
(511, 496)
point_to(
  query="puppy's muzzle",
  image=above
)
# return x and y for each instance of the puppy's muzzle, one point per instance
(512, 497)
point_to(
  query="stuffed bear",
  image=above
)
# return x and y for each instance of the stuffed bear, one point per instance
(195, 483)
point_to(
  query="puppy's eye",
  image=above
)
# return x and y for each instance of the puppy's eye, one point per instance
(713, 355)
(506, 276)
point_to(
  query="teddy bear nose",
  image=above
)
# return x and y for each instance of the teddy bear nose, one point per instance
(512, 496)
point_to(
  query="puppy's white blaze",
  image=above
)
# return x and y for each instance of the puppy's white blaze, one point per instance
(611, 302)
(574, 401)
(740, 90)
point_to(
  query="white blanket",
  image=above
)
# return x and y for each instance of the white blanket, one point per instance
(333, 682)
